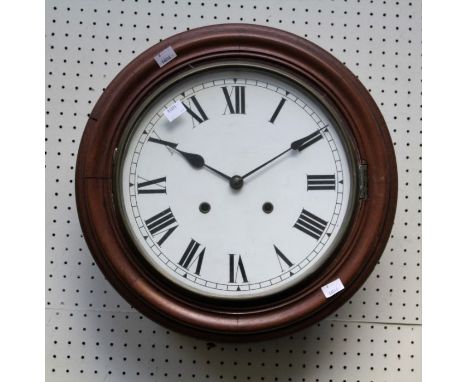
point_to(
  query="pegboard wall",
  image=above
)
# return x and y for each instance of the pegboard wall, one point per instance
(92, 334)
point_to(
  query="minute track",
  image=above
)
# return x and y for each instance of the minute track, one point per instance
(254, 283)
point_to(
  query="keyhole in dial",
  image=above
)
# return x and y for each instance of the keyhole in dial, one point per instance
(267, 207)
(205, 207)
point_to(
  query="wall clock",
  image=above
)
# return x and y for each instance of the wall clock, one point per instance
(236, 182)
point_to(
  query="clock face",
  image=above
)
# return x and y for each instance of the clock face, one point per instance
(243, 194)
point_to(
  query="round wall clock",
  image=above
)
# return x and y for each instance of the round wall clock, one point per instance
(236, 182)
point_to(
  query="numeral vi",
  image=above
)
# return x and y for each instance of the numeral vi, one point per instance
(236, 268)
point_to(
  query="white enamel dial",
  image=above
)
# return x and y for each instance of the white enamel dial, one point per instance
(254, 235)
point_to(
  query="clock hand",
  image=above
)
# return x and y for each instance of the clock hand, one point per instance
(197, 161)
(264, 164)
(298, 145)
(218, 172)
(310, 139)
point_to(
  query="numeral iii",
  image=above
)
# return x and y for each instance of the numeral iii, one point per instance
(320, 182)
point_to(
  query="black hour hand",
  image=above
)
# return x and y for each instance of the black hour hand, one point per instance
(164, 143)
(195, 160)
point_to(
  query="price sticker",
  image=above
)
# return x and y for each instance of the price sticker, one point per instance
(174, 111)
(165, 56)
(332, 288)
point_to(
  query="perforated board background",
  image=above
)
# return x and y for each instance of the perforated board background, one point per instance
(92, 334)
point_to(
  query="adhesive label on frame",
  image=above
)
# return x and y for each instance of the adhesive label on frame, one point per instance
(332, 288)
(165, 56)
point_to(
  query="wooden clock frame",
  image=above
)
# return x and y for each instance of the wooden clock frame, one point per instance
(214, 319)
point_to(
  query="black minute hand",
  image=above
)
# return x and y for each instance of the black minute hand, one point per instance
(195, 160)
(305, 142)
(298, 145)
(266, 163)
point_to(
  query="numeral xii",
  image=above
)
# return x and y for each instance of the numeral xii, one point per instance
(238, 107)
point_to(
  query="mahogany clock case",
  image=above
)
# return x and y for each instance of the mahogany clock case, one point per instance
(159, 299)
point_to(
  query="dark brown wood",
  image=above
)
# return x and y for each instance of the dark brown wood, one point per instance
(156, 297)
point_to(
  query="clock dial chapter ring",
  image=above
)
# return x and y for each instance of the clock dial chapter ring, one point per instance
(308, 226)
(113, 248)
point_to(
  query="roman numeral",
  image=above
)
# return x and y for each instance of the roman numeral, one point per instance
(310, 224)
(201, 116)
(164, 222)
(190, 256)
(159, 186)
(282, 259)
(234, 270)
(320, 182)
(278, 109)
(239, 99)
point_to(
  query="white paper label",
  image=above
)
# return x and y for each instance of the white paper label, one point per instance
(165, 56)
(174, 111)
(332, 288)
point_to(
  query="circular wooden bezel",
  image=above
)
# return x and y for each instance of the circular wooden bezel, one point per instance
(157, 298)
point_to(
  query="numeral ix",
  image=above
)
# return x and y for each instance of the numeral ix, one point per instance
(159, 186)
